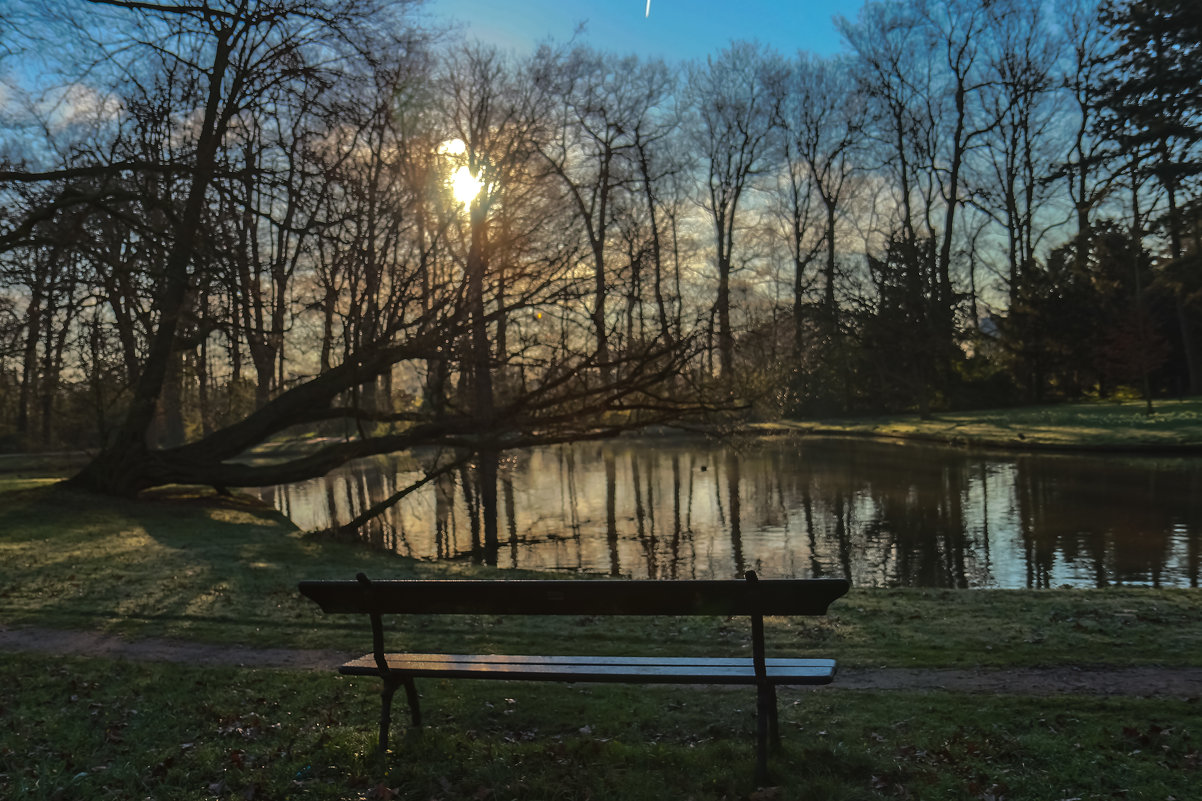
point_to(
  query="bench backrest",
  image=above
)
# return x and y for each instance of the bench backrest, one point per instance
(557, 597)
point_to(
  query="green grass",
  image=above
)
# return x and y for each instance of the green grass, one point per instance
(190, 565)
(174, 564)
(85, 728)
(1108, 425)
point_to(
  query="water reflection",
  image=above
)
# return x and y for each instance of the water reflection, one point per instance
(879, 514)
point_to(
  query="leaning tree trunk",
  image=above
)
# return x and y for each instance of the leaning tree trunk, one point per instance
(124, 464)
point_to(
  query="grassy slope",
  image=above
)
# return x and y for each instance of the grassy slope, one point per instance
(225, 570)
(1104, 425)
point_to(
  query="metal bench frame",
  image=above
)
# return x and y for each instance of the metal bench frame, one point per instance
(752, 597)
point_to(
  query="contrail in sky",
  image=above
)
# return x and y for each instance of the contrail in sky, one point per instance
(648, 9)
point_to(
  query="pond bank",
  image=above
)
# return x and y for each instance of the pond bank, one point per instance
(1174, 429)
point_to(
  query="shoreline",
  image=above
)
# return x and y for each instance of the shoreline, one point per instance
(817, 431)
(1102, 428)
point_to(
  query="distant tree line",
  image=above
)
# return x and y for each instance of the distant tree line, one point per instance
(232, 221)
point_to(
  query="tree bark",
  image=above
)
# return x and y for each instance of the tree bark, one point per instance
(115, 469)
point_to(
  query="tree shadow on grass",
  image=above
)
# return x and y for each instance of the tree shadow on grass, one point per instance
(169, 564)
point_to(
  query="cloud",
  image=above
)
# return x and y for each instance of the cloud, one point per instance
(79, 104)
(57, 108)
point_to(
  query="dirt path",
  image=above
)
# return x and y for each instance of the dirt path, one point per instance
(91, 643)
(1147, 681)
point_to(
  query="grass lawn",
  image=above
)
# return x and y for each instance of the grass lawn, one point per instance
(1176, 424)
(215, 570)
(85, 728)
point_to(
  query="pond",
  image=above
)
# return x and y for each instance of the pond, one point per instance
(880, 514)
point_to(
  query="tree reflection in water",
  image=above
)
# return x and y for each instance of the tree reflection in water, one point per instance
(879, 514)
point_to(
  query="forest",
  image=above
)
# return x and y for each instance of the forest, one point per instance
(225, 223)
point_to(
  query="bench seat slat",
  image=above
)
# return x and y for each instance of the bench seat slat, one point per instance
(719, 670)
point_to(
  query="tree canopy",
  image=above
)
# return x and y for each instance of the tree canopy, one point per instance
(232, 224)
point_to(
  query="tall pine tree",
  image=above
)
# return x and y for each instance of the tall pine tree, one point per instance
(1153, 101)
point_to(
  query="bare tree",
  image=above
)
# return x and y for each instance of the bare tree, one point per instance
(1016, 194)
(734, 101)
(603, 126)
(657, 164)
(1080, 76)
(236, 55)
(301, 198)
(821, 121)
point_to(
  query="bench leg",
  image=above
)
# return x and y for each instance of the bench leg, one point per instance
(773, 722)
(415, 710)
(765, 724)
(390, 686)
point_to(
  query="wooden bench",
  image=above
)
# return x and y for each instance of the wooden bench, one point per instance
(751, 597)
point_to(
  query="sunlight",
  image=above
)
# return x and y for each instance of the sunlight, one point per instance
(464, 185)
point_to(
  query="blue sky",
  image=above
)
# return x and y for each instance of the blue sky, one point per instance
(675, 29)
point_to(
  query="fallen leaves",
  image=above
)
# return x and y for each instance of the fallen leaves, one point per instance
(381, 792)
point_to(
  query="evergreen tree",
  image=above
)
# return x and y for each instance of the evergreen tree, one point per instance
(1153, 103)
(1155, 87)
